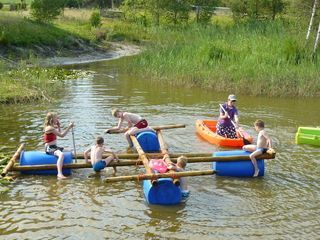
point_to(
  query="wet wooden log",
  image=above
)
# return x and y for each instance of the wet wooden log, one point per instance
(166, 157)
(159, 175)
(143, 157)
(152, 155)
(161, 127)
(12, 161)
(130, 162)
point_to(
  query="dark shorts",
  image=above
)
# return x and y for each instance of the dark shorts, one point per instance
(98, 166)
(52, 148)
(263, 150)
(142, 124)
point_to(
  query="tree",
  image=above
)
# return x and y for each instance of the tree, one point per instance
(46, 10)
(204, 9)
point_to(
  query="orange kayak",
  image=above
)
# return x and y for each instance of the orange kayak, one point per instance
(207, 130)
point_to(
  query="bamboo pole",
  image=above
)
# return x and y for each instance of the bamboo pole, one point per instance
(312, 18)
(166, 157)
(130, 162)
(12, 161)
(159, 175)
(143, 157)
(161, 127)
(152, 155)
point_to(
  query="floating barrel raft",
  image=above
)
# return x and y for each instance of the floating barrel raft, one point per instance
(30, 158)
(159, 188)
(308, 135)
(241, 168)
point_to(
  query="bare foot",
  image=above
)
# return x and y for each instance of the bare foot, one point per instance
(61, 176)
(256, 173)
(114, 170)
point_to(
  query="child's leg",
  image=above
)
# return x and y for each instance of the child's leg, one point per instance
(249, 148)
(254, 161)
(60, 156)
(108, 160)
(127, 135)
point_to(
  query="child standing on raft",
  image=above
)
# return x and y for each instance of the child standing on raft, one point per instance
(263, 145)
(96, 156)
(136, 124)
(51, 131)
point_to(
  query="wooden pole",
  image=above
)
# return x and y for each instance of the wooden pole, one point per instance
(164, 151)
(159, 175)
(161, 127)
(129, 162)
(12, 161)
(143, 157)
(152, 155)
(312, 18)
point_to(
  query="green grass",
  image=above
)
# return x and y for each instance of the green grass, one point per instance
(253, 58)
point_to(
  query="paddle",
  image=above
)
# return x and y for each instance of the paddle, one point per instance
(245, 141)
(74, 145)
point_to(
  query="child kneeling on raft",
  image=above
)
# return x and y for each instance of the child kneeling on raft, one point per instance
(96, 156)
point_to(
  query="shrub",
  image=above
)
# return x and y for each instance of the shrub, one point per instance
(1, 5)
(95, 19)
(46, 10)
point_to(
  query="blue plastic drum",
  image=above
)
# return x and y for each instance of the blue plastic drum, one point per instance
(164, 193)
(236, 168)
(148, 141)
(41, 158)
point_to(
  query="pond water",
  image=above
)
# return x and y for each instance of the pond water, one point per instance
(284, 204)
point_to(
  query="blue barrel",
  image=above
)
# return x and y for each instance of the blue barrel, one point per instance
(164, 193)
(41, 158)
(148, 141)
(236, 168)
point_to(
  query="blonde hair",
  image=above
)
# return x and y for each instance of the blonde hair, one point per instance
(49, 119)
(182, 161)
(114, 112)
(259, 123)
(99, 140)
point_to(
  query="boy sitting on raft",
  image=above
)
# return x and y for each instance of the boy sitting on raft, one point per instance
(263, 145)
(136, 124)
(96, 156)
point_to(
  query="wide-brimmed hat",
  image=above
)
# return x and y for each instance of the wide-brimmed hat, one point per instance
(232, 97)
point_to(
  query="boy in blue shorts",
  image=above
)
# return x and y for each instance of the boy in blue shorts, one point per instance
(96, 155)
(263, 145)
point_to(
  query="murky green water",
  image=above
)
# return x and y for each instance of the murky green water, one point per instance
(284, 204)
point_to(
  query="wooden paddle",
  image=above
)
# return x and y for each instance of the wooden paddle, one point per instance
(245, 141)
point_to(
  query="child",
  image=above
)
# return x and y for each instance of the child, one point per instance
(180, 167)
(136, 124)
(51, 131)
(96, 155)
(263, 145)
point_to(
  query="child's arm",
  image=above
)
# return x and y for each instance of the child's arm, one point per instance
(64, 133)
(118, 127)
(112, 153)
(86, 154)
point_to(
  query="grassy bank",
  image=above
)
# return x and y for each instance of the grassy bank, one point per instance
(24, 84)
(258, 58)
(23, 40)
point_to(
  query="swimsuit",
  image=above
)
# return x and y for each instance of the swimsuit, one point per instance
(263, 150)
(50, 149)
(98, 166)
(49, 137)
(141, 124)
